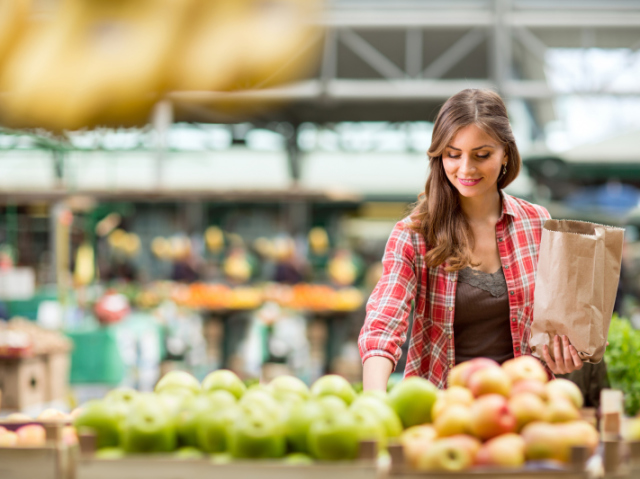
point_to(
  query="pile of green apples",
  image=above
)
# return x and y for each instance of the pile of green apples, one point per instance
(223, 419)
(500, 416)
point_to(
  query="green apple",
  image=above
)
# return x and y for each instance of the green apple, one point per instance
(188, 453)
(224, 379)
(260, 400)
(298, 459)
(110, 453)
(412, 399)
(369, 427)
(375, 393)
(257, 435)
(103, 418)
(335, 437)
(285, 386)
(178, 380)
(300, 420)
(187, 419)
(221, 398)
(381, 409)
(332, 403)
(333, 385)
(221, 458)
(213, 427)
(124, 395)
(149, 427)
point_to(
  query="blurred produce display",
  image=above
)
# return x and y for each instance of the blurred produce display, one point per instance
(108, 63)
(20, 337)
(623, 361)
(302, 296)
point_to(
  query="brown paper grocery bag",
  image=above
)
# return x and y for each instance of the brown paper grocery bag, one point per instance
(576, 285)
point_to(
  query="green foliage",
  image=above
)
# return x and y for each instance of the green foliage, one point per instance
(623, 362)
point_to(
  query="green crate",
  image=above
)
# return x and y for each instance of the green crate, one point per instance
(28, 308)
(95, 357)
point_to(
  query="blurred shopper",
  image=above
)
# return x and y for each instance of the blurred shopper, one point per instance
(466, 255)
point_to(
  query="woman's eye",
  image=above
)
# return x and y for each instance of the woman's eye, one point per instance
(451, 156)
(484, 156)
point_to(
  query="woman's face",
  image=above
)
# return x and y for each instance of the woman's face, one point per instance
(473, 161)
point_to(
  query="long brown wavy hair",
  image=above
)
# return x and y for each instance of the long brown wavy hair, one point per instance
(437, 214)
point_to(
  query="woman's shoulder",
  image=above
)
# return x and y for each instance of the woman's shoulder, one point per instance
(524, 210)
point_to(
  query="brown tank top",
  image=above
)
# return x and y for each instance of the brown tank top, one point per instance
(481, 323)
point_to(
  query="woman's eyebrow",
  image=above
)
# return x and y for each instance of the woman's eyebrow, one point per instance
(478, 148)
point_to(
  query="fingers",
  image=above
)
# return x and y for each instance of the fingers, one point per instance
(547, 359)
(577, 362)
(566, 354)
(557, 353)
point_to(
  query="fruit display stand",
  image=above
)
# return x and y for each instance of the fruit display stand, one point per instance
(621, 457)
(87, 466)
(576, 470)
(51, 461)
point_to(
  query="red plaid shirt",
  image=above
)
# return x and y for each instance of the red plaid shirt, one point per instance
(405, 278)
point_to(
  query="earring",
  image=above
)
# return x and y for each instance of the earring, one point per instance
(504, 170)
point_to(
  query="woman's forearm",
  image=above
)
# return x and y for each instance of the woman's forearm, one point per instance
(375, 373)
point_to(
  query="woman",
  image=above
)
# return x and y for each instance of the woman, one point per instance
(466, 255)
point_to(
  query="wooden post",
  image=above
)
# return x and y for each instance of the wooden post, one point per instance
(634, 454)
(611, 415)
(611, 456)
(87, 443)
(398, 459)
(368, 451)
(579, 457)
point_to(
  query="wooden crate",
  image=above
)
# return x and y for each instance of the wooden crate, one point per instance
(152, 467)
(23, 382)
(155, 466)
(57, 368)
(53, 461)
(400, 470)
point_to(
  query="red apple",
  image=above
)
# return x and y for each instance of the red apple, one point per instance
(445, 455)
(532, 386)
(564, 387)
(489, 380)
(452, 395)
(576, 433)
(8, 439)
(506, 450)
(527, 407)
(18, 417)
(415, 440)
(52, 415)
(476, 364)
(542, 441)
(525, 367)
(32, 435)
(470, 443)
(455, 419)
(491, 417)
(560, 409)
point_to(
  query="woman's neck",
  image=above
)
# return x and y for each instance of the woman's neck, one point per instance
(481, 209)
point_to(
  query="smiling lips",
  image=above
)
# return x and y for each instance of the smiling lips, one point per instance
(469, 182)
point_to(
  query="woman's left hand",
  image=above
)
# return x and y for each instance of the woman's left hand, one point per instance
(567, 359)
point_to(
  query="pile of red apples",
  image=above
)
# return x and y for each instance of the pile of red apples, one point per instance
(500, 416)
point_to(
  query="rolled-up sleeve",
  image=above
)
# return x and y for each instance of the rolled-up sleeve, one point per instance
(388, 308)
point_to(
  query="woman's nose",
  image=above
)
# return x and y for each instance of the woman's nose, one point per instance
(467, 164)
